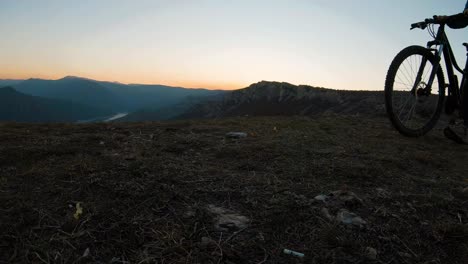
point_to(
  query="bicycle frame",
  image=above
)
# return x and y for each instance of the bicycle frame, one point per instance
(445, 49)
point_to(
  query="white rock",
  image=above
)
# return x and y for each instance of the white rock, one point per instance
(236, 135)
(86, 253)
(321, 197)
(348, 218)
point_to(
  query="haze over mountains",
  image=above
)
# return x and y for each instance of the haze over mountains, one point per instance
(73, 99)
(104, 99)
(8, 82)
(16, 106)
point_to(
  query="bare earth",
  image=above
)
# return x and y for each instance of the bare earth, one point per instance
(181, 192)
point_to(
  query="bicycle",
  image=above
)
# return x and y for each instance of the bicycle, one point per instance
(416, 78)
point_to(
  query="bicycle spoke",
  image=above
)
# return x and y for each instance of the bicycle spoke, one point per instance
(411, 112)
(405, 74)
(404, 106)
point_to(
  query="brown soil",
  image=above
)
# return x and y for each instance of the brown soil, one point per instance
(158, 193)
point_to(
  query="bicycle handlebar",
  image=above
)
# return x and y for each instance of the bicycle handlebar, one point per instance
(423, 24)
(438, 20)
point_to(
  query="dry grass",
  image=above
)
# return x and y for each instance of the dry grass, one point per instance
(145, 189)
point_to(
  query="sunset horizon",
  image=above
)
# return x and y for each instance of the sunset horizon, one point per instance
(210, 44)
(190, 85)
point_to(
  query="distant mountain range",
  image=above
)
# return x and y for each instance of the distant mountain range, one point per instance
(8, 82)
(73, 98)
(19, 107)
(272, 99)
(114, 97)
(76, 90)
(105, 98)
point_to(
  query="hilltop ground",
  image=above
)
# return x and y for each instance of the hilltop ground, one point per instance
(181, 192)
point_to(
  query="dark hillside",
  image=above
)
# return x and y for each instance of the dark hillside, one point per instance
(274, 98)
(19, 107)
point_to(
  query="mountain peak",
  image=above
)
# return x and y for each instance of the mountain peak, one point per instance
(71, 77)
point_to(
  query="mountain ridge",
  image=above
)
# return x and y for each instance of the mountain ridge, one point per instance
(280, 98)
(266, 98)
(112, 96)
(20, 107)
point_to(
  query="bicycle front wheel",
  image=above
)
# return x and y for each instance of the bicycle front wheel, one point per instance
(414, 104)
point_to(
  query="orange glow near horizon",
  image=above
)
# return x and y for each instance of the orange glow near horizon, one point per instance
(129, 80)
(213, 44)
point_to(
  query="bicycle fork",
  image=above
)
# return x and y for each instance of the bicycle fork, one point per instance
(419, 91)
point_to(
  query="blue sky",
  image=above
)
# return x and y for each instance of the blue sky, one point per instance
(343, 44)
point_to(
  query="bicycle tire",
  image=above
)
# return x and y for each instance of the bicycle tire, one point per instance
(395, 67)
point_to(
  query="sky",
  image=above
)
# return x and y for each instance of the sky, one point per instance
(217, 44)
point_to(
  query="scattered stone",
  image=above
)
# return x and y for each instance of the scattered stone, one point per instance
(326, 214)
(101, 143)
(371, 253)
(226, 220)
(189, 213)
(216, 210)
(321, 197)
(348, 218)
(236, 135)
(231, 222)
(86, 253)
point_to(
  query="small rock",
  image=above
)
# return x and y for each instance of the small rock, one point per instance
(216, 210)
(326, 213)
(86, 253)
(207, 242)
(236, 135)
(348, 218)
(231, 222)
(227, 220)
(116, 260)
(321, 197)
(371, 253)
(101, 143)
(189, 214)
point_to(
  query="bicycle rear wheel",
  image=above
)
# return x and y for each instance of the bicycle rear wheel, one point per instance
(412, 104)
